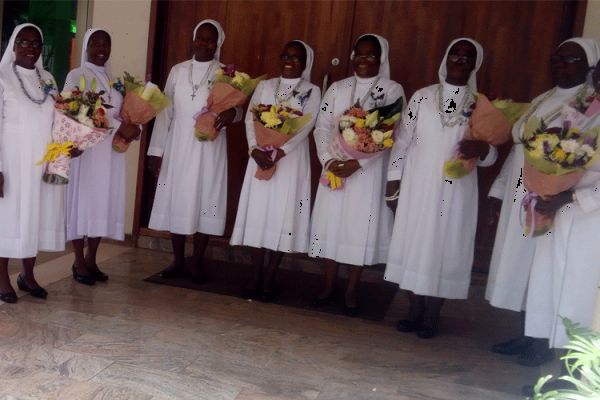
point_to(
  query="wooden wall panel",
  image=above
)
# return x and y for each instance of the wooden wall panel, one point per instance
(518, 38)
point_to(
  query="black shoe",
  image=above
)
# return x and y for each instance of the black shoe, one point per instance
(84, 279)
(427, 332)
(406, 325)
(351, 311)
(268, 297)
(514, 346)
(534, 358)
(100, 276)
(172, 272)
(38, 292)
(324, 302)
(10, 297)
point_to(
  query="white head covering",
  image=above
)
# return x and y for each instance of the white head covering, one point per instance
(443, 73)
(86, 40)
(589, 46)
(9, 54)
(220, 32)
(310, 57)
(384, 63)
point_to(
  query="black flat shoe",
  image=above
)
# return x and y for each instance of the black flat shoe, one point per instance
(38, 292)
(406, 325)
(268, 297)
(324, 302)
(83, 279)
(427, 332)
(535, 358)
(172, 273)
(514, 346)
(351, 311)
(100, 276)
(10, 297)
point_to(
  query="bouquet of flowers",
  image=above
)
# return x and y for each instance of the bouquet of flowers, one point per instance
(274, 126)
(362, 134)
(80, 121)
(231, 88)
(141, 102)
(555, 161)
(486, 123)
(511, 110)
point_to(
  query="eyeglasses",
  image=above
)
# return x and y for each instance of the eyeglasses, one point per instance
(455, 58)
(369, 58)
(36, 44)
(555, 59)
(294, 59)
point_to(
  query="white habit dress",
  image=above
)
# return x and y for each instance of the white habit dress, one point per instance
(431, 252)
(95, 203)
(352, 225)
(566, 265)
(191, 195)
(32, 211)
(513, 251)
(275, 213)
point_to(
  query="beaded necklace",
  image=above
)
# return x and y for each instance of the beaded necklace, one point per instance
(362, 101)
(196, 86)
(283, 99)
(36, 101)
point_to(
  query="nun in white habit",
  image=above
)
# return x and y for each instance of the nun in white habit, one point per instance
(513, 252)
(436, 218)
(565, 273)
(95, 195)
(31, 211)
(191, 195)
(351, 225)
(274, 214)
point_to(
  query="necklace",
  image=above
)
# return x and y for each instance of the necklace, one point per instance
(36, 101)
(283, 99)
(450, 119)
(196, 86)
(362, 101)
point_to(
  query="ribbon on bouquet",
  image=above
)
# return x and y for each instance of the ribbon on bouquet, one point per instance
(272, 150)
(55, 150)
(528, 204)
(205, 110)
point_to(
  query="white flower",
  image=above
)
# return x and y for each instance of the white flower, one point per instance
(349, 136)
(65, 94)
(377, 136)
(569, 145)
(587, 149)
(346, 121)
(388, 134)
(83, 118)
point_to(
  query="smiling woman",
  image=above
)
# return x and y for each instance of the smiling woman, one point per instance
(31, 211)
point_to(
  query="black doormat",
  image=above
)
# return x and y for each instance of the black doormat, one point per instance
(294, 288)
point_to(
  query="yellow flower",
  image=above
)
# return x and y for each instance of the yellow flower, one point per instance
(240, 79)
(559, 155)
(284, 114)
(219, 72)
(73, 106)
(270, 119)
(372, 119)
(387, 143)
(359, 123)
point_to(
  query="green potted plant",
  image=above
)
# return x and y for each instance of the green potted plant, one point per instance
(582, 364)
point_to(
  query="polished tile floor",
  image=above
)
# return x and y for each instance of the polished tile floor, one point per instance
(129, 339)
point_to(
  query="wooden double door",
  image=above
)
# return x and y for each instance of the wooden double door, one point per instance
(518, 38)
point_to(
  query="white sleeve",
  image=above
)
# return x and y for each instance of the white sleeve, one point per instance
(324, 127)
(1, 124)
(499, 186)
(404, 132)
(588, 197)
(490, 158)
(395, 92)
(249, 121)
(312, 108)
(163, 120)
